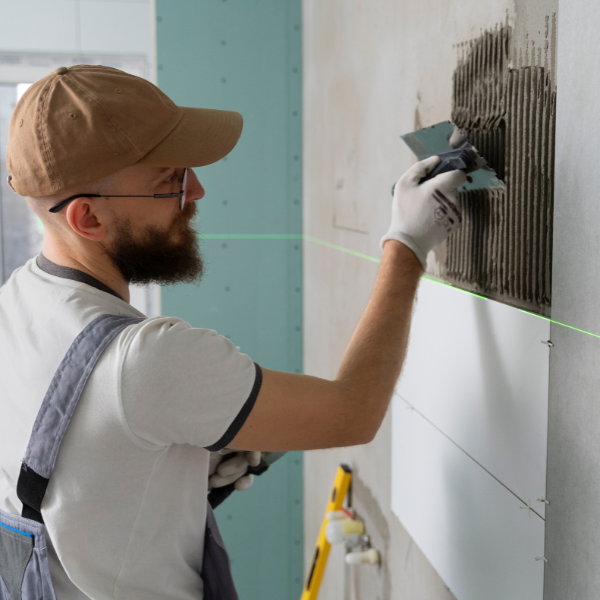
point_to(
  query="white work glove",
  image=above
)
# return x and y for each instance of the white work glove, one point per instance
(423, 216)
(228, 466)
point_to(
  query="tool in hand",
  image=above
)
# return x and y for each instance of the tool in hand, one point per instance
(218, 495)
(455, 152)
(424, 215)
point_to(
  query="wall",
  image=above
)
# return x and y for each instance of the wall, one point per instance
(370, 76)
(573, 524)
(246, 56)
(36, 36)
(504, 98)
(76, 26)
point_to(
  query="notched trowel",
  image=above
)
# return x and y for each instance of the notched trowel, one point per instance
(455, 152)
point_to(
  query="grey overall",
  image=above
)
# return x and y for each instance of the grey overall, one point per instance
(24, 572)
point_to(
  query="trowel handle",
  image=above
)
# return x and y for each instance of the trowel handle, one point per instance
(451, 161)
(460, 159)
(220, 494)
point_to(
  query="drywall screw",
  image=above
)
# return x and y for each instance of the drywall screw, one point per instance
(541, 558)
(548, 343)
(543, 500)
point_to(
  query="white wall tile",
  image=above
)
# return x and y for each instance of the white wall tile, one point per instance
(476, 534)
(478, 370)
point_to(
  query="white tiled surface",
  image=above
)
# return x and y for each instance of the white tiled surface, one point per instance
(73, 26)
(470, 418)
(478, 370)
(115, 27)
(477, 535)
(38, 25)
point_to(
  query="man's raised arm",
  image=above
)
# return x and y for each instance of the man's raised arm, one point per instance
(300, 412)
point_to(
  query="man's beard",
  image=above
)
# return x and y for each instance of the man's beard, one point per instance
(153, 256)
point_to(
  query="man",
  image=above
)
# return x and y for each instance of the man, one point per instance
(104, 159)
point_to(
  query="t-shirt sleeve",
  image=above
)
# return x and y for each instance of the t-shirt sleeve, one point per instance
(184, 385)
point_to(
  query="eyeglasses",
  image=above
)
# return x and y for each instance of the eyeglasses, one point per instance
(181, 195)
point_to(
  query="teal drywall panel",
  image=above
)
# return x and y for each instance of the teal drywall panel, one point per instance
(246, 56)
(250, 295)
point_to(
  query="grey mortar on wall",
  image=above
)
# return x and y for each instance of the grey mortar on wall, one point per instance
(504, 96)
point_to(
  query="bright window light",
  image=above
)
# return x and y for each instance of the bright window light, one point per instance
(21, 89)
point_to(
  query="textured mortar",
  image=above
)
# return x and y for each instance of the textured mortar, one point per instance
(370, 75)
(504, 96)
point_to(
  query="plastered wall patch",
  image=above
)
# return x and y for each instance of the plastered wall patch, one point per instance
(504, 96)
(372, 582)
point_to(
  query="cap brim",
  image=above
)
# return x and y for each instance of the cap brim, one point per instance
(203, 136)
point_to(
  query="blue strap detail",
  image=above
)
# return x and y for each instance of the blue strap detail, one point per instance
(15, 530)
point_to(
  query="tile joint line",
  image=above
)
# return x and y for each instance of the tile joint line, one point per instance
(526, 505)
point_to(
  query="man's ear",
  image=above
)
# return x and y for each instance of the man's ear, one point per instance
(83, 219)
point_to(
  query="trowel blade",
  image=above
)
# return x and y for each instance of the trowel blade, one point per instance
(435, 140)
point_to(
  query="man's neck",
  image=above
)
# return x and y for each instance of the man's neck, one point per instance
(95, 266)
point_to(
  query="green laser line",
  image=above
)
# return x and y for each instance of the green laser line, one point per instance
(250, 236)
(559, 323)
(342, 249)
(308, 238)
(429, 278)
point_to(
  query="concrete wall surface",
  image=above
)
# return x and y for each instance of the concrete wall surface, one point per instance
(573, 519)
(372, 73)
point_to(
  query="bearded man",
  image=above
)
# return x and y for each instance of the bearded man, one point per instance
(109, 418)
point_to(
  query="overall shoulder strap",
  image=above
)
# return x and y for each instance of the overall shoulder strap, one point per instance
(58, 408)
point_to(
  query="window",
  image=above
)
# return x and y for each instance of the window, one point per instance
(21, 231)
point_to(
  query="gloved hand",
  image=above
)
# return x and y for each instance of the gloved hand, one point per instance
(228, 466)
(423, 216)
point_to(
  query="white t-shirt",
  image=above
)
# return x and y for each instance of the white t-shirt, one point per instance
(125, 508)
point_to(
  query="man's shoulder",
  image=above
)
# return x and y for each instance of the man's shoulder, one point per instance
(172, 348)
(154, 334)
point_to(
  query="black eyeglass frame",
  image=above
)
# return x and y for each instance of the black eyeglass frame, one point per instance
(181, 195)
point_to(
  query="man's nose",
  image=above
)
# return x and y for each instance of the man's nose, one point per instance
(194, 190)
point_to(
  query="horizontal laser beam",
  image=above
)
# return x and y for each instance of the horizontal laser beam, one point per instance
(308, 238)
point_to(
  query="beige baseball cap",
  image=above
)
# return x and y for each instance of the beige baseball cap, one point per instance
(82, 123)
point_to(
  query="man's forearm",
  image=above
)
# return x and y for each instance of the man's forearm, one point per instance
(374, 358)
(301, 412)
